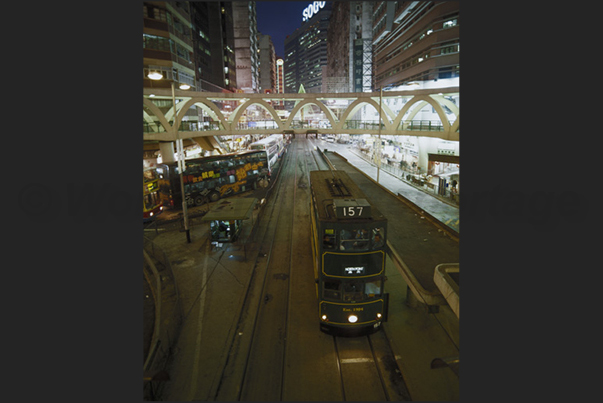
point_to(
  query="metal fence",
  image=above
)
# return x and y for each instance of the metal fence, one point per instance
(414, 125)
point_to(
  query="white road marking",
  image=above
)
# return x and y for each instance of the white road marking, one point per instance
(355, 360)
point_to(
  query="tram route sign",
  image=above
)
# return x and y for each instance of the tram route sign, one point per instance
(354, 270)
(352, 208)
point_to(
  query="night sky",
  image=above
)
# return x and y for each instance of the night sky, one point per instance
(279, 19)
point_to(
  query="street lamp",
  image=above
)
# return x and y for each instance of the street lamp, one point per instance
(154, 75)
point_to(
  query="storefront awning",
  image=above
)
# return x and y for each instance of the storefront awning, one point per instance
(231, 209)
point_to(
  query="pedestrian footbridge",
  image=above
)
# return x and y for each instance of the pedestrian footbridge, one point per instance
(422, 112)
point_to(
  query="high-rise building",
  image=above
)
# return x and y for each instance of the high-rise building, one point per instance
(191, 43)
(306, 52)
(267, 64)
(246, 46)
(415, 41)
(213, 39)
(350, 61)
(167, 44)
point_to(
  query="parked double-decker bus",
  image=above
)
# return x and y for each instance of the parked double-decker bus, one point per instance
(348, 248)
(211, 178)
(274, 146)
(151, 202)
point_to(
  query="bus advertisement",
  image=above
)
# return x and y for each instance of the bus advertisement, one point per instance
(209, 179)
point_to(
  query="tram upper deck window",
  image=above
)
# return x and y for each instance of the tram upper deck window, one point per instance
(378, 237)
(354, 240)
(328, 239)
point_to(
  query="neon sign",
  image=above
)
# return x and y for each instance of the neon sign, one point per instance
(312, 9)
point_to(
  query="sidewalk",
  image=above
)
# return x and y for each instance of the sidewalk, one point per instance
(445, 213)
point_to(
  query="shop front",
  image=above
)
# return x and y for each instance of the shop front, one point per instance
(409, 153)
(445, 168)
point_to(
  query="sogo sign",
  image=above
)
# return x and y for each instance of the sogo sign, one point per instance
(312, 9)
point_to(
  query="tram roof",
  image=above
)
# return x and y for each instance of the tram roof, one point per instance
(323, 194)
(239, 208)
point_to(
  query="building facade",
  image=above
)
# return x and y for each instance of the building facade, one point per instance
(191, 43)
(213, 40)
(306, 51)
(167, 44)
(350, 61)
(415, 41)
(246, 46)
(267, 67)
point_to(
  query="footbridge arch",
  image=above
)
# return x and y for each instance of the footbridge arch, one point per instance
(239, 110)
(206, 105)
(328, 112)
(417, 103)
(361, 102)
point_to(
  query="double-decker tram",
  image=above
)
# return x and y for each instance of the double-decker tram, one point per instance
(151, 202)
(348, 246)
(211, 178)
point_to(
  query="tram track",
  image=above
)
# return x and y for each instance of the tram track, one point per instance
(257, 334)
(256, 368)
(371, 359)
(381, 363)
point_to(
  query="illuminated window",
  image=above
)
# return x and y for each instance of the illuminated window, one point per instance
(450, 23)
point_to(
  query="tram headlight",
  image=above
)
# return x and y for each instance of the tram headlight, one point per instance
(353, 318)
(324, 317)
(151, 214)
(378, 316)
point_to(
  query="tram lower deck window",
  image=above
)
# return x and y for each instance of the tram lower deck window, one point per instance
(332, 290)
(351, 290)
